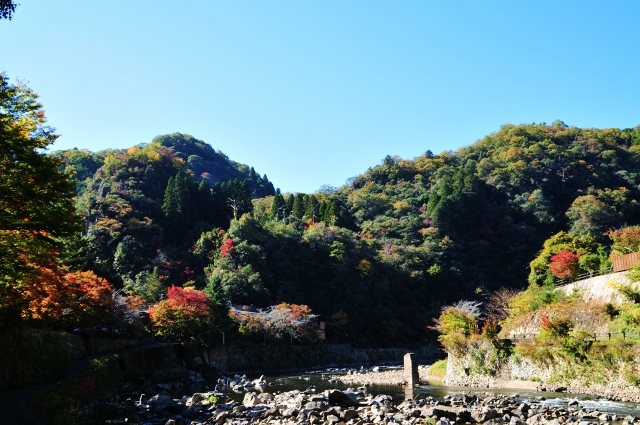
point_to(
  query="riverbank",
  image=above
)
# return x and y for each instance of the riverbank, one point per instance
(382, 377)
(396, 377)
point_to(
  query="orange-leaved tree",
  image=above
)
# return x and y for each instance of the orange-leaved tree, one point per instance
(184, 313)
(66, 299)
(36, 199)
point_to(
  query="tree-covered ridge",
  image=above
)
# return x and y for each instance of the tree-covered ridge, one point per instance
(493, 203)
(202, 161)
(376, 258)
(139, 201)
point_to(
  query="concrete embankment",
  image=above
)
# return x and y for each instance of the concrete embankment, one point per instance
(278, 358)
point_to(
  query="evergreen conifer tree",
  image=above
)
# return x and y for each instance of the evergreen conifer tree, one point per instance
(298, 206)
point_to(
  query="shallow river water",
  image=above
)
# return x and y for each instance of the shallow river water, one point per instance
(319, 381)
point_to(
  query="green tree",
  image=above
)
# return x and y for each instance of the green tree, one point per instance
(278, 208)
(36, 199)
(7, 7)
(297, 208)
(311, 208)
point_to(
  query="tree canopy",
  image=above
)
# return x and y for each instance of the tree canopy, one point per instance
(36, 198)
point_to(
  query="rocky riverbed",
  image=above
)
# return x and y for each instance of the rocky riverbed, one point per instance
(350, 407)
(338, 407)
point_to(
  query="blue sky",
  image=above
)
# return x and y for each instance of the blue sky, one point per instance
(315, 92)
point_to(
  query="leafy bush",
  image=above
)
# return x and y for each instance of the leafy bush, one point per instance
(456, 324)
(438, 369)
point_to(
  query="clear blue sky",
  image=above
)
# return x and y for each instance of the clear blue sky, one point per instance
(314, 92)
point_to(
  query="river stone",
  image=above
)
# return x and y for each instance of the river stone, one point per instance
(250, 400)
(456, 414)
(515, 421)
(341, 399)
(332, 419)
(483, 414)
(273, 412)
(265, 397)
(192, 412)
(350, 414)
(221, 417)
(160, 399)
(316, 405)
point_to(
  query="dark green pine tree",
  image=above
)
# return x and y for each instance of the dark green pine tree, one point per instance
(323, 212)
(311, 208)
(205, 203)
(288, 201)
(179, 207)
(170, 206)
(278, 208)
(298, 206)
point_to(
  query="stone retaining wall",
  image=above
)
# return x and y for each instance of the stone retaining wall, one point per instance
(29, 356)
(298, 357)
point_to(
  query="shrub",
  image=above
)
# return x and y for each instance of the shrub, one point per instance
(438, 369)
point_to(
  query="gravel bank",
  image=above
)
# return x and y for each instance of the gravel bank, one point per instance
(382, 377)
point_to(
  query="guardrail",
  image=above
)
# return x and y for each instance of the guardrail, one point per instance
(583, 276)
(596, 336)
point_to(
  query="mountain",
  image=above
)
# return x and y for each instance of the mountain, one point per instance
(377, 258)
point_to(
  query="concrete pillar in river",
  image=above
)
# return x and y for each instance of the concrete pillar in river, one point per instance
(411, 376)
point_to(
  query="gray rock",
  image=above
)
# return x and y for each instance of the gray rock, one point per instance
(484, 414)
(516, 421)
(221, 417)
(316, 405)
(265, 397)
(455, 414)
(342, 399)
(250, 400)
(348, 415)
(273, 412)
(332, 419)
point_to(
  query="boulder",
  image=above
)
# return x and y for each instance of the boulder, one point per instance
(250, 400)
(342, 399)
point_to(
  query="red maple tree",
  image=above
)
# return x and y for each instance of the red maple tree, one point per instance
(565, 264)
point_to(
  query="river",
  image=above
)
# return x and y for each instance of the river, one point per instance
(318, 381)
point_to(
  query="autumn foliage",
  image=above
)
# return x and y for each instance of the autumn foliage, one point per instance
(293, 320)
(227, 248)
(77, 298)
(184, 313)
(625, 240)
(565, 264)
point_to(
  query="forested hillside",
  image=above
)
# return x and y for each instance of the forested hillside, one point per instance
(376, 259)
